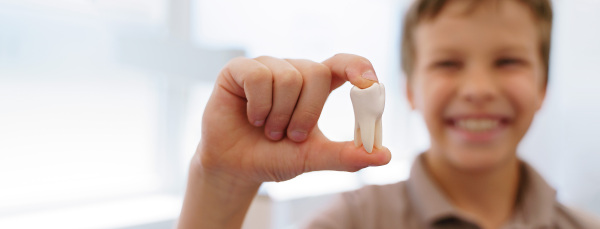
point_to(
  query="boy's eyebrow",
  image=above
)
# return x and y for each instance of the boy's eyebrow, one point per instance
(512, 49)
(445, 51)
(453, 51)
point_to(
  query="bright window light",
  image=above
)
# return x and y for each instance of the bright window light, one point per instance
(68, 138)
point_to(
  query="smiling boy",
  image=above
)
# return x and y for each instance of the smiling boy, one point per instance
(476, 70)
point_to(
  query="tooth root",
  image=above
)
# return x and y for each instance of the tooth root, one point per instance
(368, 106)
(378, 134)
(357, 139)
(367, 133)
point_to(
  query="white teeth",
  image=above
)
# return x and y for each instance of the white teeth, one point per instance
(368, 106)
(477, 125)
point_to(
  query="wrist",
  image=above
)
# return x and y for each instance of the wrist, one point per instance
(219, 178)
(215, 199)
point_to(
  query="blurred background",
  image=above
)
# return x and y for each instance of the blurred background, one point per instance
(101, 102)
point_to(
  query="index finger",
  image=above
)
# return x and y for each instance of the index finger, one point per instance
(348, 67)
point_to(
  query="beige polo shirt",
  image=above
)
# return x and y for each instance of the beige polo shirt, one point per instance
(419, 203)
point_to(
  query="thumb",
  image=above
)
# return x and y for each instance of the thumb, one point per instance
(343, 156)
(348, 67)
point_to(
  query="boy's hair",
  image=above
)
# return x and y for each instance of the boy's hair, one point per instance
(429, 9)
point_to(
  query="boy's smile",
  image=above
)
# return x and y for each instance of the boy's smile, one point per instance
(478, 80)
(477, 128)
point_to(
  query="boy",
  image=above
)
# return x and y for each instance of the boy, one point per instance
(476, 70)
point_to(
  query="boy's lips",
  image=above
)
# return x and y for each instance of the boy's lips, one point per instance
(477, 128)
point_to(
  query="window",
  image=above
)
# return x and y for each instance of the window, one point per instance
(92, 98)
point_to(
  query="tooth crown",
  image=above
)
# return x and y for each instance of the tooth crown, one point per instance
(477, 125)
(368, 106)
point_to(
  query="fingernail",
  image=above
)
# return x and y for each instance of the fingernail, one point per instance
(298, 135)
(370, 75)
(259, 122)
(276, 134)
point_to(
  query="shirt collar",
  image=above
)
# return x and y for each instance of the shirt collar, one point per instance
(426, 197)
(535, 205)
(537, 199)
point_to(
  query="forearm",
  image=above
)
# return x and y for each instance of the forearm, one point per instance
(214, 201)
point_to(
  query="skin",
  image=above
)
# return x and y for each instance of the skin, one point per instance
(478, 64)
(260, 125)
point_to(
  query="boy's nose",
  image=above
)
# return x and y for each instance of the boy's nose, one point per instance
(478, 87)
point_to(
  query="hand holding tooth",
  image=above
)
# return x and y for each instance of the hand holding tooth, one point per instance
(368, 106)
(260, 123)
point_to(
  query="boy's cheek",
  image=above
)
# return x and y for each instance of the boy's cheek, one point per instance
(414, 94)
(526, 94)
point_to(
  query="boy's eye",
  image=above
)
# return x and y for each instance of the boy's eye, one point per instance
(506, 62)
(448, 64)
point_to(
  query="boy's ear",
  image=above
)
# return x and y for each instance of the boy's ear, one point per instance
(409, 94)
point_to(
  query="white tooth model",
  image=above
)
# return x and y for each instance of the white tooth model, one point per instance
(368, 106)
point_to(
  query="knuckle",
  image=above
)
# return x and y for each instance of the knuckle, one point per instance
(340, 55)
(233, 63)
(320, 70)
(237, 60)
(263, 57)
(290, 78)
(313, 68)
(257, 74)
(363, 62)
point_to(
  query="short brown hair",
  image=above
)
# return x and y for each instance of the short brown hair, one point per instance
(429, 9)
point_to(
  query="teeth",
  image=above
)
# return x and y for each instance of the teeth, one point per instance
(368, 106)
(477, 125)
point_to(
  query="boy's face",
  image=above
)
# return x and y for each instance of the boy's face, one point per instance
(478, 80)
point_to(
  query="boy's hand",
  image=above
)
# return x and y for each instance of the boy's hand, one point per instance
(260, 122)
(260, 125)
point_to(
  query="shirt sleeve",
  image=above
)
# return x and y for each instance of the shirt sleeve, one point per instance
(582, 218)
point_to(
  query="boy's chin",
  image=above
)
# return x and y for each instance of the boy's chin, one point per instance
(479, 160)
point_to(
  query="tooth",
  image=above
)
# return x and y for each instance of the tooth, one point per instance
(368, 106)
(470, 124)
(462, 124)
(477, 124)
(489, 124)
